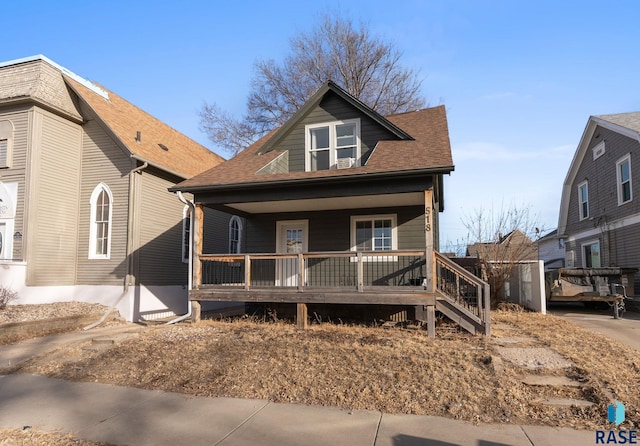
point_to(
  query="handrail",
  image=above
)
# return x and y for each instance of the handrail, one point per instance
(481, 307)
(459, 270)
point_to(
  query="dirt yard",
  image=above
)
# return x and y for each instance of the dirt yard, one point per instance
(395, 370)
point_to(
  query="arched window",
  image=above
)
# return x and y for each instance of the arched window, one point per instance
(235, 235)
(186, 233)
(100, 229)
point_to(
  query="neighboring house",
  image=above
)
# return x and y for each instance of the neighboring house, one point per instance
(600, 207)
(85, 210)
(551, 250)
(514, 247)
(339, 205)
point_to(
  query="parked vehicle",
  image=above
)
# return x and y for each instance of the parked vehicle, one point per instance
(595, 287)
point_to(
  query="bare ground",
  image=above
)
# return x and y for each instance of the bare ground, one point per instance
(394, 370)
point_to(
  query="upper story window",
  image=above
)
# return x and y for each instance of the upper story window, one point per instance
(186, 233)
(332, 145)
(623, 168)
(235, 235)
(100, 230)
(583, 199)
(6, 144)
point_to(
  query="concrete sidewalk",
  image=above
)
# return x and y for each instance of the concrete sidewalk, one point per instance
(127, 416)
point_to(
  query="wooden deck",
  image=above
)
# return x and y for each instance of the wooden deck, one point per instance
(372, 278)
(315, 295)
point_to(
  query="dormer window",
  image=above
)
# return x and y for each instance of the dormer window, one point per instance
(334, 145)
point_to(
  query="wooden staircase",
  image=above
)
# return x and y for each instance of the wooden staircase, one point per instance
(461, 296)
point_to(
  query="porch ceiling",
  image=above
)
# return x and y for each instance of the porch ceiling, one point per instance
(332, 203)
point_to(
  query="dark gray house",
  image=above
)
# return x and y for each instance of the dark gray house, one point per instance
(600, 208)
(339, 205)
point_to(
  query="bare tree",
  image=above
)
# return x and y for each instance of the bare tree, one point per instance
(499, 240)
(361, 63)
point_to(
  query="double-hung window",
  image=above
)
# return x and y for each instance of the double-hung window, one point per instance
(374, 233)
(332, 145)
(623, 169)
(583, 199)
(100, 230)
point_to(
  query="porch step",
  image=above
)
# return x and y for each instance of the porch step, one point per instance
(566, 402)
(459, 315)
(549, 380)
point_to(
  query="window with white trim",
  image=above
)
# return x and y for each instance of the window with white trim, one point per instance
(332, 145)
(6, 144)
(101, 216)
(186, 233)
(4, 153)
(623, 170)
(235, 235)
(591, 255)
(374, 233)
(583, 199)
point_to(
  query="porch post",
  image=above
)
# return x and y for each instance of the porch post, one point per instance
(301, 316)
(197, 245)
(428, 237)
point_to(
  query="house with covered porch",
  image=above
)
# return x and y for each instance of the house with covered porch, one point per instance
(340, 205)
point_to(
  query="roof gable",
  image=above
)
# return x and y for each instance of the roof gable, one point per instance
(429, 151)
(627, 124)
(313, 102)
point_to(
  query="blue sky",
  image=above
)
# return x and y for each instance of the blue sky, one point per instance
(519, 79)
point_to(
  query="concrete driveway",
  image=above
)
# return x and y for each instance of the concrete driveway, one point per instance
(625, 329)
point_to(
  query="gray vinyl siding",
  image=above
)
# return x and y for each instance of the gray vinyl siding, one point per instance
(20, 119)
(216, 232)
(331, 230)
(331, 109)
(161, 216)
(103, 161)
(618, 246)
(602, 182)
(623, 249)
(54, 200)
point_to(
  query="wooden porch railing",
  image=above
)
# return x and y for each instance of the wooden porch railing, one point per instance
(469, 294)
(337, 270)
(461, 296)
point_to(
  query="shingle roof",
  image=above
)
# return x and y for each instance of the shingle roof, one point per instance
(430, 150)
(629, 120)
(184, 156)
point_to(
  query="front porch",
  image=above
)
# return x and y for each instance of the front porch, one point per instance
(429, 283)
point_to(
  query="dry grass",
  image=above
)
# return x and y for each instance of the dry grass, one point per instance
(607, 369)
(391, 370)
(32, 437)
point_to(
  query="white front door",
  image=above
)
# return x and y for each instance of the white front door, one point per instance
(291, 238)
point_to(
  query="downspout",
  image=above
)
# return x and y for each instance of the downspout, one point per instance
(192, 211)
(126, 281)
